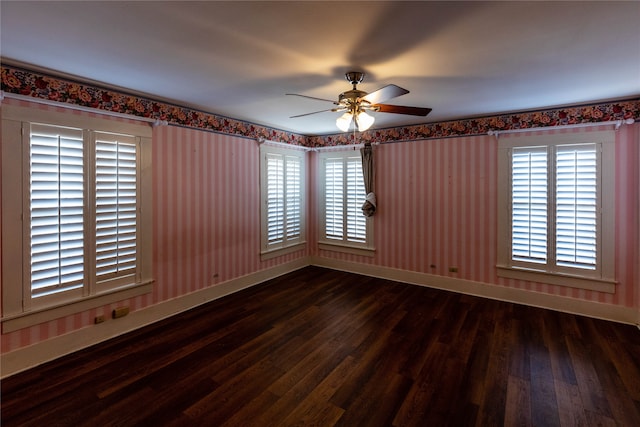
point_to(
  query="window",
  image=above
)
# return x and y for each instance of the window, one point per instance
(282, 193)
(82, 218)
(557, 212)
(342, 194)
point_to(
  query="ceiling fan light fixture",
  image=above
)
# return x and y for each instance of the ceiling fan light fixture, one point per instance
(355, 103)
(344, 121)
(364, 121)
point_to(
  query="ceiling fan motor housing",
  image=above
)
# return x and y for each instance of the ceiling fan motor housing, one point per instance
(351, 95)
(353, 102)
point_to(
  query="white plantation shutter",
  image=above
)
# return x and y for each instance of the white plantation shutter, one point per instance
(293, 191)
(529, 205)
(57, 209)
(282, 195)
(356, 222)
(344, 195)
(334, 198)
(116, 195)
(275, 198)
(576, 206)
(570, 202)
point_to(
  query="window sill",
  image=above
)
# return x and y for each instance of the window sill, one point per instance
(587, 283)
(273, 253)
(349, 249)
(31, 318)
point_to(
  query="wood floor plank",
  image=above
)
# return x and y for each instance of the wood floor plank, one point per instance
(368, 355)
(518, 405)
(250, 411)
(298, 397)
(316, 414)
(544, 402)
(493, 406)
(476, 370)
(618, 391)
(558, 351)
(589, 385)
(330, 384)
(330, 348)
(571, 410)
(442, 409)
(415, 407)
(224, 401)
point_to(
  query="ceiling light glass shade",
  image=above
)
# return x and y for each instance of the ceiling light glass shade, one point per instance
(344, 121)
(364, 121)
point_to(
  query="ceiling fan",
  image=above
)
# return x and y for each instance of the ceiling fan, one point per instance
(355, 103)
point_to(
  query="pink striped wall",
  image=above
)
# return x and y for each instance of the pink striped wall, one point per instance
(438, 207)
(206, 223)
(207, 215)
(635, 136)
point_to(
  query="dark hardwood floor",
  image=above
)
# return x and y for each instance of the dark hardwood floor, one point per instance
(326, 348)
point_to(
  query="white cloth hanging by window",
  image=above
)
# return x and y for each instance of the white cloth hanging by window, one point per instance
(370, 205)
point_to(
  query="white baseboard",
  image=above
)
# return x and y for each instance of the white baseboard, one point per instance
(45, 351)
(518, 296)
(31, 356)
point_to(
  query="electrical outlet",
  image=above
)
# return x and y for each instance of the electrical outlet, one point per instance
(120, 312)
(98, 319)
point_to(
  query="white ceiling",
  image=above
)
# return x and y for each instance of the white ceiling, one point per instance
(239, 59)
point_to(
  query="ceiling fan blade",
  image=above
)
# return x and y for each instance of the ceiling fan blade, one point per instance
(308, 114)
(399, 109)
(312, 97)
(385, 93)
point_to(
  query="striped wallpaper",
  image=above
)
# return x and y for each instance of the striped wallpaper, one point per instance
(206, 223)
(207, 215)
(436, 204)
(437, 209)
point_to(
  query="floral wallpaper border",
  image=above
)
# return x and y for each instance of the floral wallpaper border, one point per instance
(28, 83)
(611, 111)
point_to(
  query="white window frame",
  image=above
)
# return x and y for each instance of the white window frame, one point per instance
(602, 278)
(288, 243)
(19, 310)
(343, 244)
